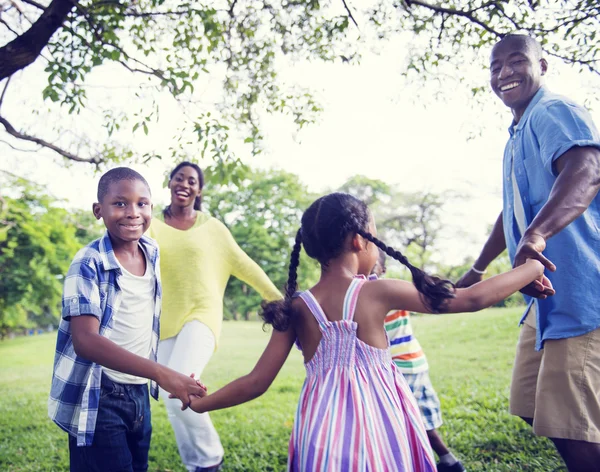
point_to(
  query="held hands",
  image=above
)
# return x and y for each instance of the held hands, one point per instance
(181, 386)
(530, 248)
(195, 403)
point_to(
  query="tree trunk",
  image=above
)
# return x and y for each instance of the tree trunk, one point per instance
(25, 49)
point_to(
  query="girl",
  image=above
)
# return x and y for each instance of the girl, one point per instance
(356, 412)
(198, 255)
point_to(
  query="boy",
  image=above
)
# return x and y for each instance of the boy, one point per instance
(412, 363)
(108, 336)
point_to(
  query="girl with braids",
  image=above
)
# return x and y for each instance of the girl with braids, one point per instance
(356, 412)
(198, 255)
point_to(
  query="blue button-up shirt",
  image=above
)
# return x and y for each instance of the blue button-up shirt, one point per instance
(550, 126)
(91, 288)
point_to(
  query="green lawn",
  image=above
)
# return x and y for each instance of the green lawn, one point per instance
(470, 357)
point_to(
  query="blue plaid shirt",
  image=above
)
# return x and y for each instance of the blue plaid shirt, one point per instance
(91, 288)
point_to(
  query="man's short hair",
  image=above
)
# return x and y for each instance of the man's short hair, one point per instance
(116, 175)
(525, 40)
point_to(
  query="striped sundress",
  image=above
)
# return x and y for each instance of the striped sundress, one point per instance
(356, 412)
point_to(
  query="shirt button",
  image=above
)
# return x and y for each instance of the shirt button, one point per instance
(73, 301)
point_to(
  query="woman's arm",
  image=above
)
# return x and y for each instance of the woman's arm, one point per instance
(255, 383)
(398, 294)
(248, 271)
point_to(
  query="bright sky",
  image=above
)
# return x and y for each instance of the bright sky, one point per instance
(373, 123)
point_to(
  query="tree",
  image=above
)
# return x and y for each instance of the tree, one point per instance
(38, 239)
(172, 46)
(164, 45)
(408, 221)
(452, 30)
(263, 214)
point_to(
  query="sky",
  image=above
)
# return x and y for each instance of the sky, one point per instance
(421, 136)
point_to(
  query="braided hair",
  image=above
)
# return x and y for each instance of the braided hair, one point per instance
(325, 226)
(198, 200)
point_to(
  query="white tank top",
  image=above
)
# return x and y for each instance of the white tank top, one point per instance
(132, 323)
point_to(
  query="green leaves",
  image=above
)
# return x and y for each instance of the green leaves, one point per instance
(38, 239)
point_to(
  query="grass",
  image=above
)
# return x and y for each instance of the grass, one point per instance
(470, 357)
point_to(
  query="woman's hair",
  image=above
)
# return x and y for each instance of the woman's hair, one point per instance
(198, 201)
(325, 226)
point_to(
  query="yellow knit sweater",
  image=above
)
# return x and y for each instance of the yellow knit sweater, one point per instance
(195, 266)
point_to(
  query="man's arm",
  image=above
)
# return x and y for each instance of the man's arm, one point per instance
(577, 185)
(493, 247)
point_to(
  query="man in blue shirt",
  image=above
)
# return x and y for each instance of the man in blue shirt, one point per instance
(551, 212)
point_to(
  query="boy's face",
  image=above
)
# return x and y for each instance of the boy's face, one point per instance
(126, 210)
(516, 73)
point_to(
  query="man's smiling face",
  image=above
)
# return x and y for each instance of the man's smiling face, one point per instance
(516, 69)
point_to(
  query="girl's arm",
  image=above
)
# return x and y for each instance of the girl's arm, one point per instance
(255, 383)
(399, 294)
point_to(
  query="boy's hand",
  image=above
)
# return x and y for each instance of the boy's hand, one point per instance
(200, 384)
(180, 386)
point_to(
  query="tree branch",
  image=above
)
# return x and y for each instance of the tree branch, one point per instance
(35, 4)
(468, 14)
(8, 27)
(24, 49)
(10, 129)
(350, 13)
(16, 148)
(4, 91)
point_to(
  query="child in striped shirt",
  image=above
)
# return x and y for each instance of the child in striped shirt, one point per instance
(412, 363)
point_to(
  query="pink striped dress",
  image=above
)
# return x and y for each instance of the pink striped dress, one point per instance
(356, 412)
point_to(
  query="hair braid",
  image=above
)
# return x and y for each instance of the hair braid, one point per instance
(434, 290)
(279, 313)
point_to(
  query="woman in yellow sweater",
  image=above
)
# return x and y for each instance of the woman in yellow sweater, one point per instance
(198, 255)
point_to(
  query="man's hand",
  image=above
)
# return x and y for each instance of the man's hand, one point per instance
(180, 386)
(531, 247)
(469, 278)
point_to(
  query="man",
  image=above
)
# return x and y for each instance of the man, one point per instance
(551, 178)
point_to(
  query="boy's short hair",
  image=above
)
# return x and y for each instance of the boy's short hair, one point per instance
(116, 175)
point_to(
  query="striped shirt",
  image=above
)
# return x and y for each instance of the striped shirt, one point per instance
(91, 288)
(404, 347)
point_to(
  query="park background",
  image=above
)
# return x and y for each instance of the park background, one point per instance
(279, 102)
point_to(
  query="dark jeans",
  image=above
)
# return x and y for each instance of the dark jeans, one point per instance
(123, 430)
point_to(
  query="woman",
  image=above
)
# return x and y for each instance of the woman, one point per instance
(198, 255)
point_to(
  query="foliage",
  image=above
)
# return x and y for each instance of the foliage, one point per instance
(263, 214)
(409, 222)
(470, 357)
(451, 34)
(175, 47)
(38, 239)
(233, 51)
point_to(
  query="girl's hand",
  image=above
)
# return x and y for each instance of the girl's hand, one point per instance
(540, 288)
(196, 405)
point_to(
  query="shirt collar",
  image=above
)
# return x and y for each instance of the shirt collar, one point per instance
(107, 254)
(109, 260)
(536, 98)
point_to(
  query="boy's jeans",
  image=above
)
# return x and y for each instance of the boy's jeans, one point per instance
(123, 431)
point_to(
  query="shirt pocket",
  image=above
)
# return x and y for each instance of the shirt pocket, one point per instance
(538, 185)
